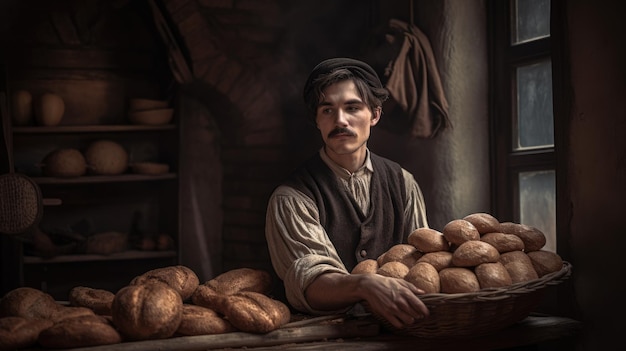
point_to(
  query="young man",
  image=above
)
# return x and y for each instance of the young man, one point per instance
(344, 205)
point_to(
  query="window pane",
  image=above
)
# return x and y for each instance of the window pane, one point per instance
(538, 203)
(535, 125)
(531, 20)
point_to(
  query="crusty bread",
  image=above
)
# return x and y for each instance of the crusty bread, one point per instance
(254, 312)
(533, 238)
(241, 279)
(147, 311)
(404, 253)
(545, 262)
(503, 242)
(474, 252)
(180, 278)
(198, 320)
(68, 312)
(484, 222)
(28, 303)
(368, 266)
(393, 269)
(19, 332)
(207, 297)
(424, 276)
(519, 266)
(492, 275)
(458, 231)
(428, 240)
(81, 331)
(458, 280)
(438, 259)
(98, 300)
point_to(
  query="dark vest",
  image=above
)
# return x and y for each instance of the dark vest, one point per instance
(350, 231)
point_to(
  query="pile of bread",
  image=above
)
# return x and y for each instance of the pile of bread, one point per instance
(472, 253)
(161, 303)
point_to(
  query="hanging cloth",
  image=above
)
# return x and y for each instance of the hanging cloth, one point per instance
(414, 82)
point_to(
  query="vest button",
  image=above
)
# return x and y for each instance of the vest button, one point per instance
(363, 253)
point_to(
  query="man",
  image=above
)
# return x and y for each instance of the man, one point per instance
(344, 205)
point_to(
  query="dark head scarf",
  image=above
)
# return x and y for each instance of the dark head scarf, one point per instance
(358, 68)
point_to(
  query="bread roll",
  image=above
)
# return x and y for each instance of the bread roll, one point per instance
(393, 269)
(492, 275)
(254, 312)
(198, 320)
(474, 252)
(20, 333)
(428, 240)
(368, 266)
(424, 276)
(28, 303)
(207, 297)
(147, 311)
(68, 312)
(404, 253)
(503, 242)
(241, 279)
(513, 256)
(459, 231)
(180, 278)
(438, 259)
(98, 300)
(458, 280)
(533, 238)
(82, 331)
(484, 222)
(545, 262)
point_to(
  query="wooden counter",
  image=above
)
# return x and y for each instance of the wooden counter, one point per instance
(363, 334)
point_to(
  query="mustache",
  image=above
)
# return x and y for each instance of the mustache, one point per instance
(341, 131)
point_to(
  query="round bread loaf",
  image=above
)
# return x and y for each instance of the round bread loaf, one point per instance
(533, 238)
(474, 252)
(28, 303)
(458, 280)
(404, 253)
(82, 331)
(368, 266)
(545, 262)
(20, 333)
(198, 320)
(254, 312)
(424, 276)
(458, 231)
(428, 240)
(484, 222)
(180, 278)
(64, 162)
(147, 311)
(438, 259)
(503, 242)
(241, 279)
(519, 266)
(393, 269)
(492, 275)
(98, 300)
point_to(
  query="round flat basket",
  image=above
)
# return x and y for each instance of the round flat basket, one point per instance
(21, 205)
(482, 312)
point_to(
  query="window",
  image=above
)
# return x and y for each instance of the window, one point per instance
(522, 115)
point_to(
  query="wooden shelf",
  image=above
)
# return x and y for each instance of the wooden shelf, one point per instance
(104, 179)
(126, 255)
(92, 129)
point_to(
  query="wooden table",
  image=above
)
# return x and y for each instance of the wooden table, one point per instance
(362, 334)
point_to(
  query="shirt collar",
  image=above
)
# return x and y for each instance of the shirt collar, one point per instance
(342, 172)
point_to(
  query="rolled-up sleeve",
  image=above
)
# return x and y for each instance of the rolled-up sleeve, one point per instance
(299, 247)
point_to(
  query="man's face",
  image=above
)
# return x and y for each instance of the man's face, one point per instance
(344, 119)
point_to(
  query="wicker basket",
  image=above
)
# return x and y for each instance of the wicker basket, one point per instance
(482, 312)
(20, 205)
